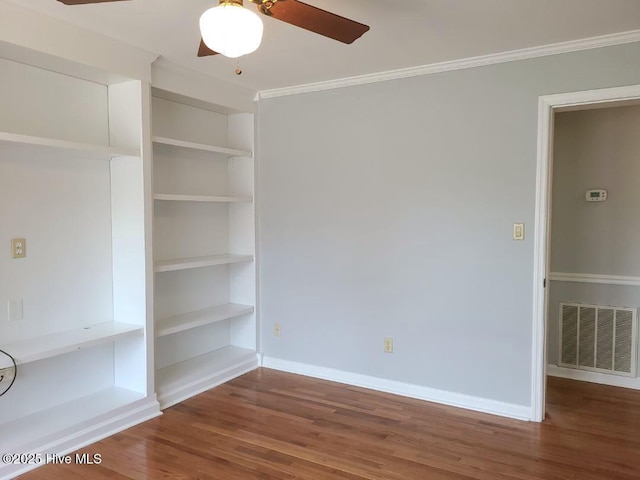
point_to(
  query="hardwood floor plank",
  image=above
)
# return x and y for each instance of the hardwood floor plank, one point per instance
(272, 425)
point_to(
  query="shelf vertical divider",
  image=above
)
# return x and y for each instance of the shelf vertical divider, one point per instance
(129, 233)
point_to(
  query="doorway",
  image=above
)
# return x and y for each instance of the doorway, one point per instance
(549, 107)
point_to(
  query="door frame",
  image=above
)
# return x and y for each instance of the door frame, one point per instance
(548, 105)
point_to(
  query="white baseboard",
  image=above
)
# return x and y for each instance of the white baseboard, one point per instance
(494, 407)
(593, 377)
(89, 433)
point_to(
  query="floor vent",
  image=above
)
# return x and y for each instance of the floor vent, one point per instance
(598, 338)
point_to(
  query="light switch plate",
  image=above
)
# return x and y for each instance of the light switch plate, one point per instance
(518, 231)
(15, 310)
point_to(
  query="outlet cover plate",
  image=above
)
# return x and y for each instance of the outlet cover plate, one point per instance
(18, 247)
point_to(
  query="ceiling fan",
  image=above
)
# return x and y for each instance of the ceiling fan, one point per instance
(293, 12)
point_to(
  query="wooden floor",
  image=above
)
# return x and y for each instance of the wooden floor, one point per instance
(269, 424)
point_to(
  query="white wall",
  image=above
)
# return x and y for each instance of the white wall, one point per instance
(78, 112)
(595, 149)
(387, 210)
(191, 124)
(62, 206)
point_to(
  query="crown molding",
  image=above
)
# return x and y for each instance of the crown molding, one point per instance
(472, 62)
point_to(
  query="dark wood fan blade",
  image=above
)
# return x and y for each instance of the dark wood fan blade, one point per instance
(85, 2)
(317, 20)
(205, 51)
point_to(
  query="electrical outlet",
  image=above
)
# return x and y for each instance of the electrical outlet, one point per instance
(18, 247)
(276, 329)
(388, 345)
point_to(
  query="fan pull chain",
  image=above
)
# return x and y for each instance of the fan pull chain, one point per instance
(238, 70)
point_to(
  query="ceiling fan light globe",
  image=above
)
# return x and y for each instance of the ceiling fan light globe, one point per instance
(231, 30)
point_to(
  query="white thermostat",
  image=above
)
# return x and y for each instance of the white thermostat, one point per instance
(596, 195)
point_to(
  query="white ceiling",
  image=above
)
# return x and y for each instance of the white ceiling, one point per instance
(404, 33)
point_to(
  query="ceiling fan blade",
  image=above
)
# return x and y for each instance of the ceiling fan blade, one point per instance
(85, 2)
(317, 20)
(205, 51)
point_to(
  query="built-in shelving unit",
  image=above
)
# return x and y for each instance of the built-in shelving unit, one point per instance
(204, 248)
(54, 344)
(74, 176)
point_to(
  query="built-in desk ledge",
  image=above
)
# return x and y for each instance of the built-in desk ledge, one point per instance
(54, 344)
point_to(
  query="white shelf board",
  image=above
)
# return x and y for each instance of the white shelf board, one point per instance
(93, 150)
(51, 345)
(201, 198)
(197, 262)
(186, 321)
(57, 419)
(198, 369)
(230, 152)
